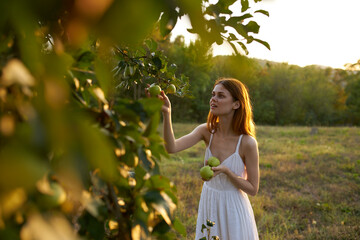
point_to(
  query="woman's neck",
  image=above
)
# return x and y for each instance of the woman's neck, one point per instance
(225, 126)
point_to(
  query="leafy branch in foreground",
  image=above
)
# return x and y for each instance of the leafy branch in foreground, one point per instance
(68, 135)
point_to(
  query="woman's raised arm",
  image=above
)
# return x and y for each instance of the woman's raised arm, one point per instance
(173, 145)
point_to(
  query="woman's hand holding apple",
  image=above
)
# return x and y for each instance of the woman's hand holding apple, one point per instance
(166, 107)
(219, 169)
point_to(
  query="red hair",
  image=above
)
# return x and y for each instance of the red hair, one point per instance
(242, 122)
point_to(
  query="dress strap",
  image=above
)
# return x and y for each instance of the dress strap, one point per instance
(211, 137)
(238, 145)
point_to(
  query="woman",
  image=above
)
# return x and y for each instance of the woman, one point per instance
(229, 135)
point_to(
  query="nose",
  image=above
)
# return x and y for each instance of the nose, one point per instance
(213, 98)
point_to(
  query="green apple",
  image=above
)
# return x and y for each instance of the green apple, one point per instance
(171, 89)
(213, 161)
(53, 198)
(154, 90)
(206, 172)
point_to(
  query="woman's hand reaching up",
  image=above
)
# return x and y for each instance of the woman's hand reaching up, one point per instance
(166, 107)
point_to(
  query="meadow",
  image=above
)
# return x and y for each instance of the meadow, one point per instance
(309, 182)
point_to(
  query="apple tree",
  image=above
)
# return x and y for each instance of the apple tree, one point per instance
(79, 151)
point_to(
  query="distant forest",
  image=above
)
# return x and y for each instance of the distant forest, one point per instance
(281, 94)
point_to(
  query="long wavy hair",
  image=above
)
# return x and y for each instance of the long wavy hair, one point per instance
(242, 122)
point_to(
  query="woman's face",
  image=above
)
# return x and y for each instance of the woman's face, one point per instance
(222, 102)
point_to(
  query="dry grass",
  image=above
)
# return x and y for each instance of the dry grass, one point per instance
(309, 188)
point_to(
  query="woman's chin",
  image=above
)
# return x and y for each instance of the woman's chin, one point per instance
(213, 111)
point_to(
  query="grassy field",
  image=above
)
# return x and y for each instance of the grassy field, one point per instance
(309, 187)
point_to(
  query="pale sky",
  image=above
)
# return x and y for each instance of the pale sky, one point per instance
(301, 32)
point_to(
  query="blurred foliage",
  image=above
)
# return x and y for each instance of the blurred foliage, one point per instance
(79, 147)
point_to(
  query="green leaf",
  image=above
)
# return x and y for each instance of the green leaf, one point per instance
(98, 150)
(161, 205)
(153, 196)
(267, 45)
(146, 161)
(57, 64)
(233, 22)
(103, 75)
(232, 37)
(98, 183)
(114, 118)
(252, 27)
(152, 125)
(242, 45)
(263, 12)
(217, 9)
(140, 172)
(249, 39)
(244, 5)
(171, 194)
(151, 44)
(167, 22)
(151, 105)
(202, 228)
(179, 227)
(140, 216)
(157, 62)
(159, 182)
(225, 4)
(157, 147)
(161, 228)
(234, 48)
(191, 30)
(90, 226)
(20, 167)
(238, 20)
(85, 60)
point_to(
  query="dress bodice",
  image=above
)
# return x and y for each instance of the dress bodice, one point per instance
(234, 162)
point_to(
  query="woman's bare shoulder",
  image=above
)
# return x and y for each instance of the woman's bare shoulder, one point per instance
(249, 141)
(202, 128)
(248, 147)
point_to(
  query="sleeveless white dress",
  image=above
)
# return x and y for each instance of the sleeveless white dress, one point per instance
(224, 204)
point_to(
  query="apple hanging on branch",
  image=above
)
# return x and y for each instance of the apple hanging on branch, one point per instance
(171, 89)
(154, 90)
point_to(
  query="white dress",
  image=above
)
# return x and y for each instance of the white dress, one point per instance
(224, 204)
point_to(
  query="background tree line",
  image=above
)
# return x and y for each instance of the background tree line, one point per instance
(282, 94)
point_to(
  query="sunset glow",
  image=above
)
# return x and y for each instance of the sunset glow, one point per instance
(301, 32)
